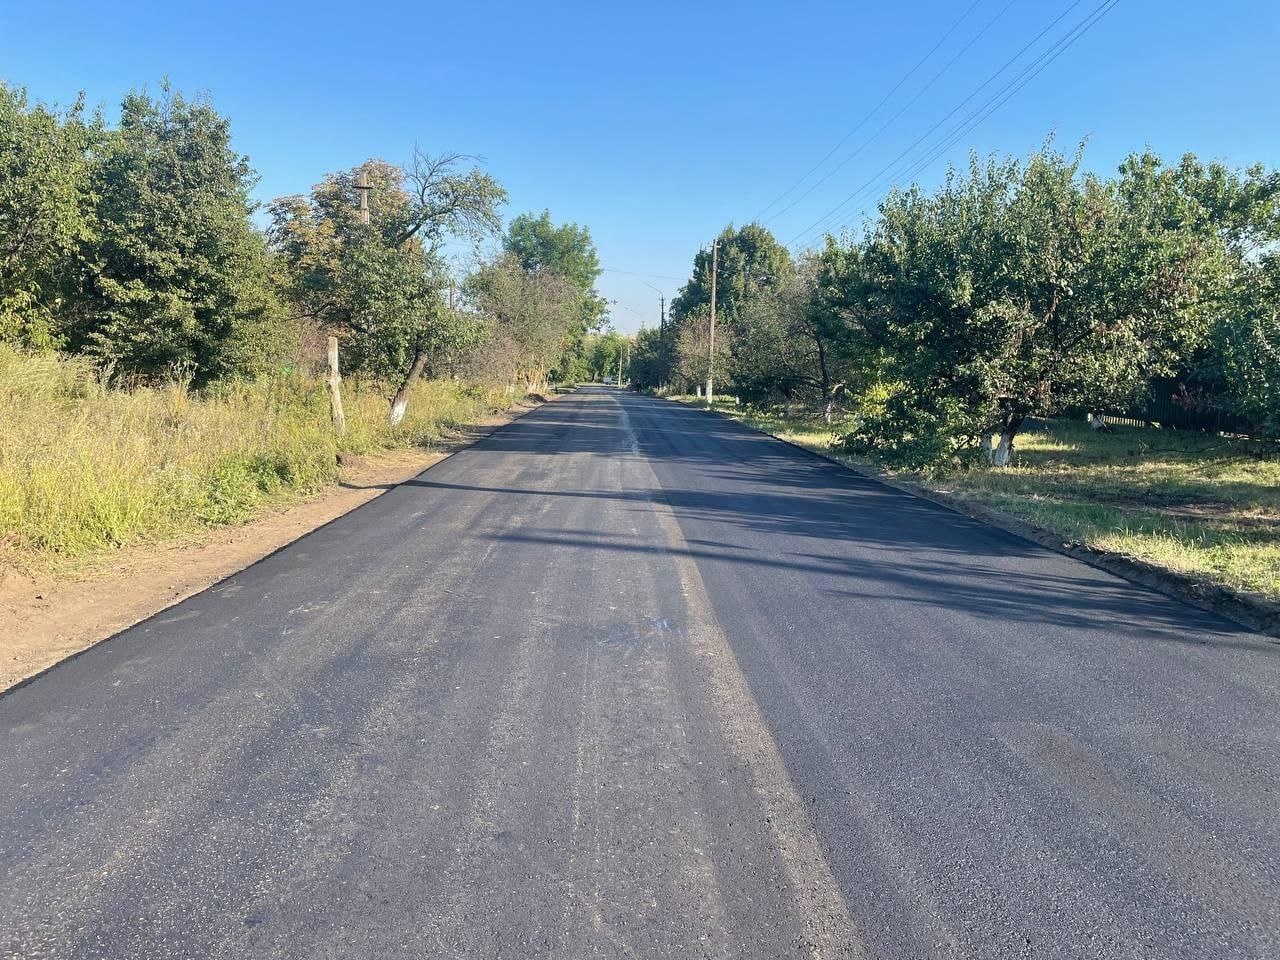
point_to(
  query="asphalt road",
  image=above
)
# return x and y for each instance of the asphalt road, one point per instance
(629, 680)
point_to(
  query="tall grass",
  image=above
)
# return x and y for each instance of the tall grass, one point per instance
(86, 466)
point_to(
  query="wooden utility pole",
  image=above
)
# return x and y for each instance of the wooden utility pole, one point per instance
(335, 389)
(711, 341)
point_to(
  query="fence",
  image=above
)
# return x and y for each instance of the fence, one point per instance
(1160, 407)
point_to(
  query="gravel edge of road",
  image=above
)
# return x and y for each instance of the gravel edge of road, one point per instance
(1252, 612)
(513, 413)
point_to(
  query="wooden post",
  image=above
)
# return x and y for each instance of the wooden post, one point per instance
(335, 389)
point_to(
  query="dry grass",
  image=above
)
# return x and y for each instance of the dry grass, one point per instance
(1199, 504)
(86, 468)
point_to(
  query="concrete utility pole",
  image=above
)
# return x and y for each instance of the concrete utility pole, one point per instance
(363, 186)
(334, 382)
(711, 342)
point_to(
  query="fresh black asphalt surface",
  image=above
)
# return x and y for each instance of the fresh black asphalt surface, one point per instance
(626, 679)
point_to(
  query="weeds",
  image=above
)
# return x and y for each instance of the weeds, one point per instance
(87, 467)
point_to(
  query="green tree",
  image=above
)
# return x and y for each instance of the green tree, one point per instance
(530, 316)
(568, 251)
(379, 286)
(174, 273)
(44, 213)
(750, 261)
(1023, 289)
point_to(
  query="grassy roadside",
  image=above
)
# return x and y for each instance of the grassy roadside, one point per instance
(86, 468)
(1197, 504)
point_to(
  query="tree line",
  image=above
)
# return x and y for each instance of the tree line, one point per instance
(135, 243)
(1016, 289)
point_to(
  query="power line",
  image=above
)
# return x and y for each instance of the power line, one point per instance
(632, 273)
(965, 127)
(1042, 59)
(905, 107)
(979, 115)
(874, 110)
(954, 110)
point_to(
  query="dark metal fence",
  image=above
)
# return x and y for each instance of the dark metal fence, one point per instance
(1179, 404)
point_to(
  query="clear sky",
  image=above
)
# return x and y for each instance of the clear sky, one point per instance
(655, 124)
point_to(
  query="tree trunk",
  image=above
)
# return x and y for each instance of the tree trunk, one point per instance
(1003, 453)
(401, 401)
(335, 389)
(828, 393)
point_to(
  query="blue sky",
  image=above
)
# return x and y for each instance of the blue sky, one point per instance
(656, 124)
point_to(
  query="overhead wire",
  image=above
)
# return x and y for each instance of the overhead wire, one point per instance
(874, 110)
(1038, 64)
(903, 109)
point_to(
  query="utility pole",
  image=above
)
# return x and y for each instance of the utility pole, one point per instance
(711, 341)
(363, 186)
(621, 346)
(662, 338)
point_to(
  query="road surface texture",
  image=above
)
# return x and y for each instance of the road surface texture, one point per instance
(626, 679)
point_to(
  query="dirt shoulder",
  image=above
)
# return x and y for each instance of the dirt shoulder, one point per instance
(45, 619)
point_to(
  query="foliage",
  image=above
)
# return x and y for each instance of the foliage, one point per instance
(174, 276)
(648, 362)
(530, 317)
(1023, 289)
(44, 201)
(749, 262)
(86, 467)
(379, 286)
(601, 354)
(567, 251)
(1246, 348)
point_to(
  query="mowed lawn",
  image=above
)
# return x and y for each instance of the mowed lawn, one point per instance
(1196, 503)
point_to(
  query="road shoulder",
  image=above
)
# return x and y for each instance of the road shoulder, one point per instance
(46, 619)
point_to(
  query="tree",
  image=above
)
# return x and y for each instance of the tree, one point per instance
(691, 343)
(786, 340)
(1246, 349)
(530, 317)
(378, 286)
(174, 273)
(567, 251)
(1023, 289)
(648, 359)
(750, 261)
(44, 213)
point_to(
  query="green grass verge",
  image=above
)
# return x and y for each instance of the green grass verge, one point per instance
(86, 468)
(1198, 504)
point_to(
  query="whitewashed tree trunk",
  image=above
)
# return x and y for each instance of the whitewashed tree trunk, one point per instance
(400, 403)
(988, 450)
(1003, 452)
